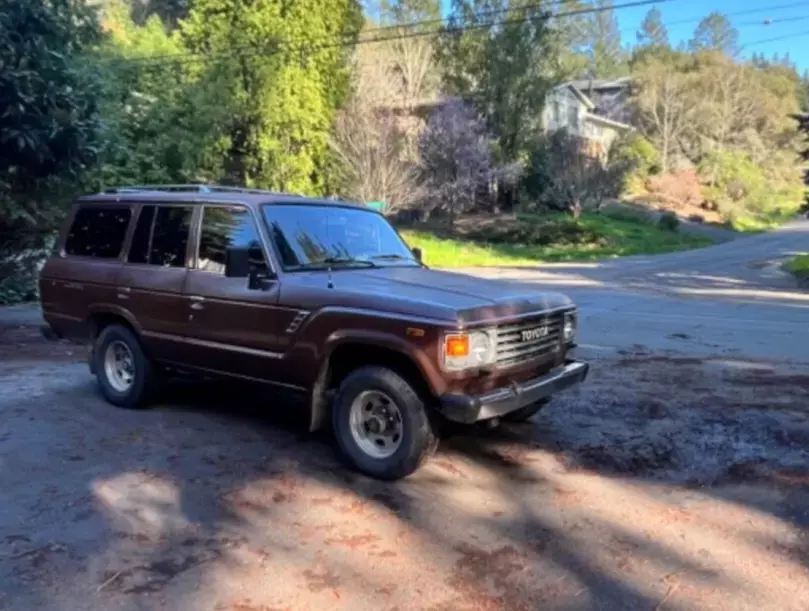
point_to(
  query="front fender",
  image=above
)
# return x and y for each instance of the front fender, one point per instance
(416, 353)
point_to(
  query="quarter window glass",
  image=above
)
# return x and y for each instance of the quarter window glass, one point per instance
(228, 227)
(98, 232)
(161, 236)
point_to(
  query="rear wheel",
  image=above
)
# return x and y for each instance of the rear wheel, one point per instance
(381, 424)
(526, 413)
(124, 373)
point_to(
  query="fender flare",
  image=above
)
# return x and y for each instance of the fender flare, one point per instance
(319, 401)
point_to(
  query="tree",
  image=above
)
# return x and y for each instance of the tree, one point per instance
(160, 126)
(576, 179)
(49, 129)
(409, 11)
(604, 44)
(456, 158)
(664, 106)
(653, 32)
(803, 127)
(715, 33)
(284, 68)
(372, 157)
(506, 70)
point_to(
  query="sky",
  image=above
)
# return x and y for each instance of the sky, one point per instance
(790, 19)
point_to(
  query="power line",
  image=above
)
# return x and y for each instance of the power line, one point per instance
(768, 22)
(754, 11)
(442, 20)
(181, 58)
(776, 39)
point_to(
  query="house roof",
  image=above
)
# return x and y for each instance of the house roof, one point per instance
(606, 121)
(581, 97)
(584, 85)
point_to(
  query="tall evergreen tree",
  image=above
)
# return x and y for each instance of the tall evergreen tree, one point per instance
(285, 69)
(653, 32)
(606, 55)
(715, 33)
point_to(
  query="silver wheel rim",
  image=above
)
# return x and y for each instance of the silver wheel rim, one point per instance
(376, 424)
(119, 366)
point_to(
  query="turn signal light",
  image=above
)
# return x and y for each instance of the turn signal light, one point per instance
(457, 345)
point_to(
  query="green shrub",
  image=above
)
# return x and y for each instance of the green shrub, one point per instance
(640, 159)
(799, 266)
(628, 215)
(533, 231)
(669, 221)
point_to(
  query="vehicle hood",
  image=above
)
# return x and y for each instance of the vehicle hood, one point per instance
(436, 294)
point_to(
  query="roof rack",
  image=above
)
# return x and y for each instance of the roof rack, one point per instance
(192, 188)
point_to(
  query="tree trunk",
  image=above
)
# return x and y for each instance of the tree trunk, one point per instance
(576, 208)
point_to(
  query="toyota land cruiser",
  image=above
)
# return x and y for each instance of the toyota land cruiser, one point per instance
(323, 298)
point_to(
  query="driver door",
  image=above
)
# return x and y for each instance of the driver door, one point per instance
(232, 328)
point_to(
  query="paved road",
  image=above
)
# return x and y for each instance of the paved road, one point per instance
(730, 298)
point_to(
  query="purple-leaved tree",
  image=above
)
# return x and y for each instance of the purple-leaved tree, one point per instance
(456, 160)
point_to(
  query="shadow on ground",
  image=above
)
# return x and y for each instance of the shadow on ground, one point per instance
(216, 499)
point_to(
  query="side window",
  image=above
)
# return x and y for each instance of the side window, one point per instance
(98, 232)
(161, 236)
(226, 227)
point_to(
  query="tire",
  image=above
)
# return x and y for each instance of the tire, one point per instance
(144, 378)
(418, 438)
(526, 413)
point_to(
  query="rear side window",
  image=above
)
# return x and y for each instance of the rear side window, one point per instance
(161, 236)
(226, 227)
(98, 232)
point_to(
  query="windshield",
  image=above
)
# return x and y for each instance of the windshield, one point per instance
(322, 235)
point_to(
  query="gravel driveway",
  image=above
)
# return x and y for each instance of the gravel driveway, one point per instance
(666, 482)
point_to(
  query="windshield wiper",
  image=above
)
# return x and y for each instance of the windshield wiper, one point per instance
(394, 257)
(335, 261)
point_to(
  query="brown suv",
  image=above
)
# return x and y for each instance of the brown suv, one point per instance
(319, 297)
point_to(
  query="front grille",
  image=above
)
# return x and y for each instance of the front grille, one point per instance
(513, 348)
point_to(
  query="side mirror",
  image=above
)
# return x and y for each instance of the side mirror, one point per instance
(418, 254)
(237, 263)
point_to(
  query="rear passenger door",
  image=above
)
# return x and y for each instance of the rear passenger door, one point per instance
(231, 327)
(150, 283)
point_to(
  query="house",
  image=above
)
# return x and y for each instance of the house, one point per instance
(593, 110)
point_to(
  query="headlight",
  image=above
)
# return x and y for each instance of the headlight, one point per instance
(569, 328)
(469, 349)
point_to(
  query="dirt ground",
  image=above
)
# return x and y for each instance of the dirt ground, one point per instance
(663, 483)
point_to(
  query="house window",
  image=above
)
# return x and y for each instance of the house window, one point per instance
(557, 112)
(573, 117)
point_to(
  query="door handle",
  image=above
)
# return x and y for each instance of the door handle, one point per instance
(74, 286)
(196, 302)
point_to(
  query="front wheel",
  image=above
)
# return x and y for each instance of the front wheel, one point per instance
(381, 424)
(526, 413)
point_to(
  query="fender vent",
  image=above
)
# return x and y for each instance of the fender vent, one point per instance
(296, 322)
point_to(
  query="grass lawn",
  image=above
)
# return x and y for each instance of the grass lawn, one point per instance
(617, 237)
(799, 266)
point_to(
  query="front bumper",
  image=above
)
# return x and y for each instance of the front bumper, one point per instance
(501, 401)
